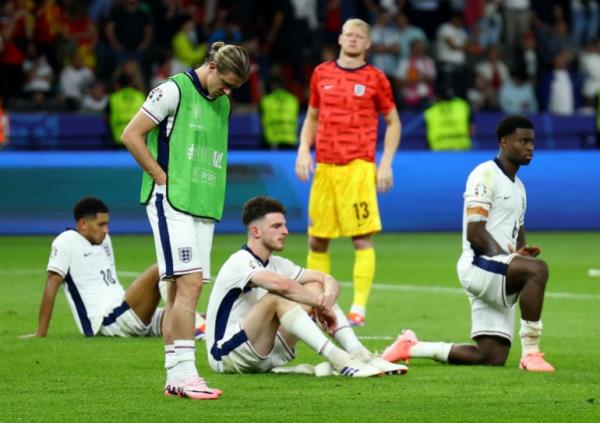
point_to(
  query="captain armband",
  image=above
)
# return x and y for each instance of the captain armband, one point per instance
(477, 214)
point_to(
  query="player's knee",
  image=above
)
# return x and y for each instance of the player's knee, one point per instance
(318, 245)
(495, 359)
(538, 272)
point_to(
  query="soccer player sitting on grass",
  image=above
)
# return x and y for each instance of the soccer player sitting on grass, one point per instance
(259, 307)
(497, 268)
(83, 260)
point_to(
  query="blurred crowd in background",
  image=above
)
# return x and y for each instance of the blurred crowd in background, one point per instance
(515, 56)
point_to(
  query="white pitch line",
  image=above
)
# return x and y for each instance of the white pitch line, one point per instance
(446, 290)
(376, 286)
(377, 338)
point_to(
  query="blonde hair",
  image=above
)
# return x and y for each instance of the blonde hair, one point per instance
(357, 22)
(229, 58)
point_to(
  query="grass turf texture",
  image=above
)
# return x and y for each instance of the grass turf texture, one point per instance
(66, 377)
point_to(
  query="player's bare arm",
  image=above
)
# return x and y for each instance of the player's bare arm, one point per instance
(53, 282)
(385, 176)
(134, 137)
(284, 287)
(304, 163)
(526, 250)
(482, 241)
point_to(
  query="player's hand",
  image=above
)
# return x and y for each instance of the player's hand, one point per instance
(304, 165)
(385, 178)
(161, 179)
(327, 320)
(325, 302)
(529, 251)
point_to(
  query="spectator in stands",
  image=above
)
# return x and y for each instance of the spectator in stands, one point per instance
(451, 45)
(48, 27)
(416, 76)
(493, 71)
(96, 100)
(589, 66)
(516, 20)
(225, 29)
(123, 104)
(167, 17)
(426, 14)
(449, 124)
(132, 70)
(559, 87)
(75, 80)
(407, 33)
(187, 47)
(279, 115)
(481, 96)
(13, 21)
(552, 40)
(517, 95)
(490, 25)
(129, 31)
(79, 33)
(385, 44)
(38, 75)
(585, 19)
(527, 58)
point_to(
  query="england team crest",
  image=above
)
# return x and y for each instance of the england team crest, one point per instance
(185, 254)
(359, 89)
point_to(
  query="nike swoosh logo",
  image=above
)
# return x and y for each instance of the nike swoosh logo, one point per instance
(328, 87)
(506, 197)
(86, 254)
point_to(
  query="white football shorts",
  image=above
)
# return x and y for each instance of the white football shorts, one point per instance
(122, 321)
(484, 279)
(182, 242)
(244, 359)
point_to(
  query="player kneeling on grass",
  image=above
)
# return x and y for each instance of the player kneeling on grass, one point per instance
(259, 307)
(493, 272)
(83, 260)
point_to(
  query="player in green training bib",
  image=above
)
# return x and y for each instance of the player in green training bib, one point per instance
(179, 138)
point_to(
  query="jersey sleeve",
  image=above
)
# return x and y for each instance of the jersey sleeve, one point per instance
(314, 99)
(237, 271)
(479, 194)
(60, 256)
(287, 268)
(162, 101)
(385, 96)
(522, 217)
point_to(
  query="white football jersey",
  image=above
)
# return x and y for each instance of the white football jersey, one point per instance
(91, 284)
(233, 295)
(504, 201)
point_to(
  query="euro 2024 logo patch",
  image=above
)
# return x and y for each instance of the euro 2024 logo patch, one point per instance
(359, 89)
(155, 95)
(185, 254)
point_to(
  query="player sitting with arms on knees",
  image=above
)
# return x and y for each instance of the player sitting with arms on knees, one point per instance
(259, 307)
(496, 267)
(83, 259)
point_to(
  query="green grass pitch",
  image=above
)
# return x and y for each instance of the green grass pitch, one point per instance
(66, 377)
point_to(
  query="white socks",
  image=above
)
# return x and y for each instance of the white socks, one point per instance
(185, 351)
(299, 324)
(530, 334)
(344, 334)
(439, 351)
(155, 326)
(171, 364)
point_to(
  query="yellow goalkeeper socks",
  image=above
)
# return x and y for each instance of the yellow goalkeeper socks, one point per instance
(364, 272)
(319, 261)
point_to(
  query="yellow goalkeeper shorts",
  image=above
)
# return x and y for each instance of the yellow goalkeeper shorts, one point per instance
(343, 200)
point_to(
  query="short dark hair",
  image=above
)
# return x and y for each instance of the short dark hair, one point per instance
(510, 124)
(259, 207)
(89, 207)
